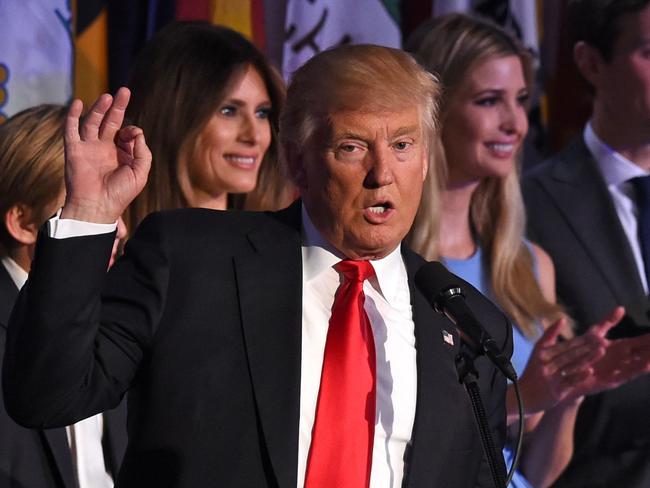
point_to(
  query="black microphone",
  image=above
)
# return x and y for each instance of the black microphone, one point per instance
(444, 293)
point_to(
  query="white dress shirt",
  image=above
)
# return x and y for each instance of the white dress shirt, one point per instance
(17, 274)
(388, 305)
(84, 437)
(617, 171)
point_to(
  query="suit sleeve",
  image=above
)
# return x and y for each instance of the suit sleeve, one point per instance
(77, 335)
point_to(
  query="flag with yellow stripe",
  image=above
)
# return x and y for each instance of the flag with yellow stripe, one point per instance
(244, 16)
(91, 49)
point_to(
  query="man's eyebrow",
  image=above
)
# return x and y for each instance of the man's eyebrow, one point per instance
(402, 131)
(348, 134)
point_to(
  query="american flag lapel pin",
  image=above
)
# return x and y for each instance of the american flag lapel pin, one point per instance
(447, 337)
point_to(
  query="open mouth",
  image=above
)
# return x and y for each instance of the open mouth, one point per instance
(379, 212)
(380, 209)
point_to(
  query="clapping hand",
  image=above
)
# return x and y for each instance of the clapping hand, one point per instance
(624, 360)
(106, 166)
(556, 369)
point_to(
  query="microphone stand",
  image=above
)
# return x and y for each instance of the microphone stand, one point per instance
(468, 376)
(520, 434)
(446, 297)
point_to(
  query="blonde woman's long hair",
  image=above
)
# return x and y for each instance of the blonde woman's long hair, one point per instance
(450, 46)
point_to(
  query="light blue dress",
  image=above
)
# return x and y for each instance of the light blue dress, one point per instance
(471, 270)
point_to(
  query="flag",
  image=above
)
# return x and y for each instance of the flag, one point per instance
(524, 23)
(35, 54)
(193, 9)
(244, 16)
(91, 50)
(518, 16)
(130, 26)
(442, 7)
(312, 26)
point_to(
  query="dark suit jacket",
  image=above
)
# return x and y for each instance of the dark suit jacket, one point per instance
(571, 215)
(201, 320)
(35, 458)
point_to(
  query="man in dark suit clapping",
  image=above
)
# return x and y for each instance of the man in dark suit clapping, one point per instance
(589, 208)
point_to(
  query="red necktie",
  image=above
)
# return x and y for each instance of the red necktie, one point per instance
(340, 455)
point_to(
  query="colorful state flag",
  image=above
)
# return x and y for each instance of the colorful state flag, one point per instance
(91, 50)
(35, 54)
(442, 7)
(315, 25)
(525, 16)
(244, 16)
(518, 16)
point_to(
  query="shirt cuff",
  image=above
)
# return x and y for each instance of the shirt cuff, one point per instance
(59, 228)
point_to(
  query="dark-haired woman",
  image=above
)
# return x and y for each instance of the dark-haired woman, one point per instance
(209, 103)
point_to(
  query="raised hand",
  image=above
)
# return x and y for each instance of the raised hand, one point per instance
(105, 166)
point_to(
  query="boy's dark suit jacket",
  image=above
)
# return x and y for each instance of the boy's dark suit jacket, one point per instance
(572, 216)
(35, 458)
(201, 321)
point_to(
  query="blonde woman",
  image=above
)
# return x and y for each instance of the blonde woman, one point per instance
(475, 225)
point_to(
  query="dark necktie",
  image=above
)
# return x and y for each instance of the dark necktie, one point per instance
(340, 454)
(642, 187)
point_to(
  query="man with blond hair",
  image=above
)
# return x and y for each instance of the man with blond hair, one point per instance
(297, 351)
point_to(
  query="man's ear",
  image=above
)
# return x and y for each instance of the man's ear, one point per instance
(295, 162)
(589, 62)
(19, 223)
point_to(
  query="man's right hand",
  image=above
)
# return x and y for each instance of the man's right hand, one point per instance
(105, 166)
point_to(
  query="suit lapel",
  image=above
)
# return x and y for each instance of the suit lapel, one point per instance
(270, 291)
(438, 390)
(57, 441)
(578, 174)
(54, 440)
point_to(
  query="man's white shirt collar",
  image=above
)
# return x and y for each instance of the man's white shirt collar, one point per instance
(18, 275)
(319, 255)
(615, 168)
